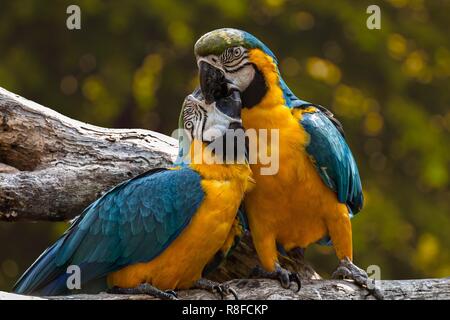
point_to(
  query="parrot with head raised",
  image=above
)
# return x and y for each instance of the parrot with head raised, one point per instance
(317, 188)
(161, 230)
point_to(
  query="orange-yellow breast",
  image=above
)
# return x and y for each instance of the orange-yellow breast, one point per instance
(292, 203)
(292, 206)
(182, 262)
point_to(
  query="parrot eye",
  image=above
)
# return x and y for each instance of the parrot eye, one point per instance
(232, 54)
(233, 59)
(194, 117)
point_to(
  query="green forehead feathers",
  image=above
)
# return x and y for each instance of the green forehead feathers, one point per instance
(216, 41)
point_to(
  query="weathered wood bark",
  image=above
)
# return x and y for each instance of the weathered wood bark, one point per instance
(251, 289)
(52, 167)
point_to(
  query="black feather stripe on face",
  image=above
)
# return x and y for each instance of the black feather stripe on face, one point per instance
(236, 69)
(256, 90)
(234, 58)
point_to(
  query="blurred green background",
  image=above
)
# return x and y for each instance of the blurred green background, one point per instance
(132, 64)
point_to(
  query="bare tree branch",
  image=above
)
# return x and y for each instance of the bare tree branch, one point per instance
(53, 166)
(261, 289)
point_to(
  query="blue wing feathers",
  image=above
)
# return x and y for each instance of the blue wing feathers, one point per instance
(133, 222)
(333, 159)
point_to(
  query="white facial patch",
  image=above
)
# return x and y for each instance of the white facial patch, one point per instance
(242, 78)
(205, 122)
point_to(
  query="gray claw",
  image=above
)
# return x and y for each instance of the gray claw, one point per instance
(234, 293)
(222, 289)
(295, 277)
(225, 289)
(285, 277)
(348, 270)
(173, 294)
(146, 288)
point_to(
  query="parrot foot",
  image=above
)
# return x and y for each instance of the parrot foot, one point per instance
(348, 270)
(148, 289)
(285, 277)
(223, 289)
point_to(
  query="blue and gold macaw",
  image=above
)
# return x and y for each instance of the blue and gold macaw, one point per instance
(158, 231)
(317, 188)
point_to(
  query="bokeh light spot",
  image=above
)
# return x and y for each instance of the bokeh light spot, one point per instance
(290, 67)
(397, 45)
(69, 85)
(303, 20)
(87, 62)
(10, 268)
(324, 70)
(373, 123)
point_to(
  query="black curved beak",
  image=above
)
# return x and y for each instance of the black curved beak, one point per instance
(212, 82)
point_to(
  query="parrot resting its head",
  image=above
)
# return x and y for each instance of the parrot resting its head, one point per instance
(317, 187)
(159, 231)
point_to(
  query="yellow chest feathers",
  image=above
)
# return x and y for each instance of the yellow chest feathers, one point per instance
(183, 261)
(302, 199)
